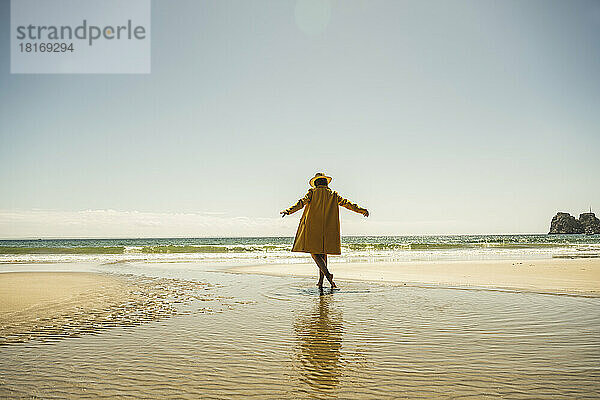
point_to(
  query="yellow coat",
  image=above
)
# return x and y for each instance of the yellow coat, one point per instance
(319, 229)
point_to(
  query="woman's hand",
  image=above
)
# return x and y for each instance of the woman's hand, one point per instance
(283, 213)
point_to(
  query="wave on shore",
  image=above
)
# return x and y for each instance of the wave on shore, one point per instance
(277, 249)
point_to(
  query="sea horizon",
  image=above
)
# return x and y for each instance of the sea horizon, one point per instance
(272, 236)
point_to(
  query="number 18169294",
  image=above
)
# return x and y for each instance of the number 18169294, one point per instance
(46, 47)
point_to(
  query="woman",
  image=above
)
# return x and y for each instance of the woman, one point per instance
(319, 229)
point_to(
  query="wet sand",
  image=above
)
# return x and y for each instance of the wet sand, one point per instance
(55, 305)
(279, 337)
(560, 276)
(53, 291)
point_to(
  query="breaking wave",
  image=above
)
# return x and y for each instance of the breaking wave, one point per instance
(278, 249)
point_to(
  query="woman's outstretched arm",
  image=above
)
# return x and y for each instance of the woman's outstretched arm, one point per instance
(342, 202)
(301, 203)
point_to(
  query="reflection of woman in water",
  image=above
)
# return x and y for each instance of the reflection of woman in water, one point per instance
(319, 336)
(319, 229)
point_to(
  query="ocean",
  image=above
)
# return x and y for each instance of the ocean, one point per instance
(253, 250)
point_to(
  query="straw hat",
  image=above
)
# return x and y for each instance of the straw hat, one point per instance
(317, 176)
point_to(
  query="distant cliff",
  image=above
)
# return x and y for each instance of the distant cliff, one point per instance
(566, 223)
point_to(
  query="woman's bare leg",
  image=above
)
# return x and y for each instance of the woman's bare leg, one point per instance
(319, 262)
(320, 259)
(330, 279)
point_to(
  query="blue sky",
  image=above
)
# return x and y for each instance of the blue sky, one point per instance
(440, 117)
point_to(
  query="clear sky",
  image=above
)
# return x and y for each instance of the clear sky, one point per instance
(438, 116)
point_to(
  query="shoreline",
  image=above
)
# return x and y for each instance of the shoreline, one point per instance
(577, 277)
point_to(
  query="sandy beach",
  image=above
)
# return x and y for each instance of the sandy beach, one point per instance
(61, 304)
(159, 330)
(56, 291)
(53, 303)
(560, 276)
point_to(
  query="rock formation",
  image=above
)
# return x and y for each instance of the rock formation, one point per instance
(591, 224)
(566, 223)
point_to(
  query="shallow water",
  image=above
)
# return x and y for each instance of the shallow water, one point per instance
(281, 338)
